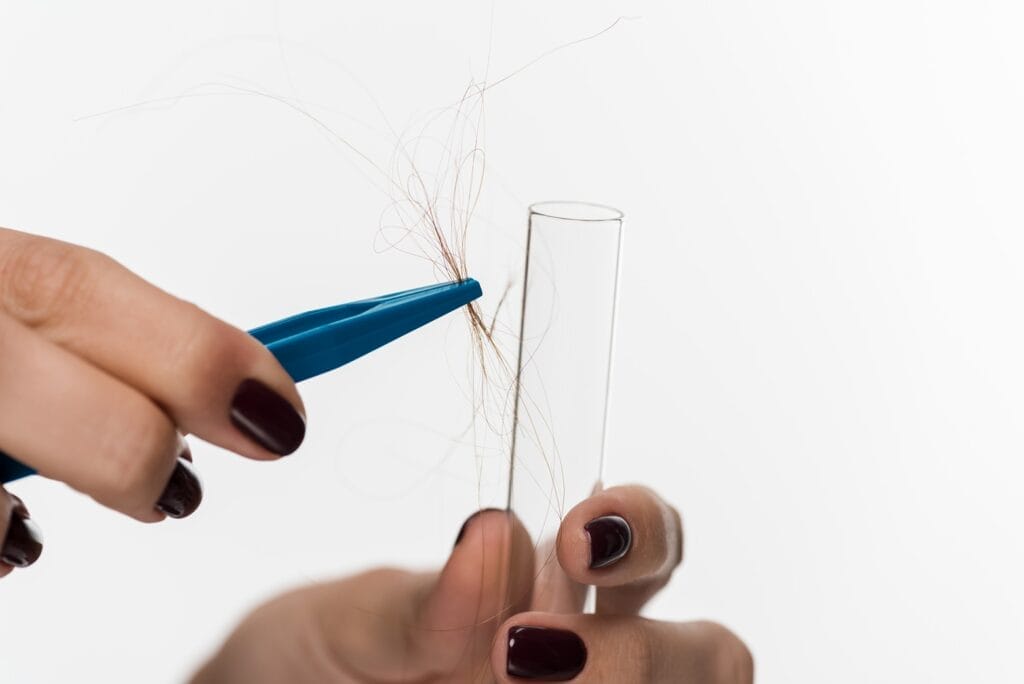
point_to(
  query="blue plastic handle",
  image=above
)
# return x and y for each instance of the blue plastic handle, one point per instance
(314, 342)
(11, 470)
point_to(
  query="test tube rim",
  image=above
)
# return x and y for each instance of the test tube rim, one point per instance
(546, 209)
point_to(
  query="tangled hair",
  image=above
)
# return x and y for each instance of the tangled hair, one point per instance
(433, 182)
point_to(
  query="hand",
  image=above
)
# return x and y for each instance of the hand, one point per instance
(102, 373)
(485, 618)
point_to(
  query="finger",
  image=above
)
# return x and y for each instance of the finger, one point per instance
(553, 590)
(73, 422)
(391, 625)
(214, 380)
(487, 578)
(625, 540)
(625, 650)
(442, 625)
(22, 542)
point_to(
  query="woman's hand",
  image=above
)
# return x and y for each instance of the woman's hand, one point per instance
(497, 613)
(102, 373)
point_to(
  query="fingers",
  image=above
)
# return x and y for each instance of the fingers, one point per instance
(389, 625)
(553, 590)
(626, 650)
(21, 542)
(625, 540)
(344, 631)
(72, 422)
(214, 381)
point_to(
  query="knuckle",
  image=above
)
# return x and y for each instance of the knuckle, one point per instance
(39, 277)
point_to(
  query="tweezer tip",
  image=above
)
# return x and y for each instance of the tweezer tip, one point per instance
(472, 284)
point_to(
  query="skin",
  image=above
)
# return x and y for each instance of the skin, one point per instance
(390, 626)
(7, 504)
(101, 374)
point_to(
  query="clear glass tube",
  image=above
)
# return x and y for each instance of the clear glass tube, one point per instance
(570, 288)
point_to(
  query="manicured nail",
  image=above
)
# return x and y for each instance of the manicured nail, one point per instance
(550, 655)
(24, 540)
(610, 540)
(267, 417)
(184, 491)
(462, 530)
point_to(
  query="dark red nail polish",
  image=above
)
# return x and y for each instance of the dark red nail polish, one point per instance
(184, 491)
(462, 530)
(267, 418)
(24, 541)
(549, 655)
(610, 540)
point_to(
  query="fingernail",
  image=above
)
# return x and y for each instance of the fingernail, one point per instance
(610, 539)
(267, 417)
(24, 540)
(462, 530)
(184, 491)
(550, 655)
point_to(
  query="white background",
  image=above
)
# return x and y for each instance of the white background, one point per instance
(820, 354)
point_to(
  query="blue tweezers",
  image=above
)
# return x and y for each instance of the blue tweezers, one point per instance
(314, 342)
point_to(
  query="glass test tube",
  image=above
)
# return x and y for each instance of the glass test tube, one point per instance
(570, 289)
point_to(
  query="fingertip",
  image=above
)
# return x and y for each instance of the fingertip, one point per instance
(474, 517)
(223, 385)
(262, 414)
(184, 491)
(538, 646)
(484, 545)
(610, 538)
(148, 517)
(618, 536)
(489, 569)
(23, 540)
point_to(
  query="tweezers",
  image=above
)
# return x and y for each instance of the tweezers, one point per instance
(314, 342)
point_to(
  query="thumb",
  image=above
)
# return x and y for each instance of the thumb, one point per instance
(487, 578)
